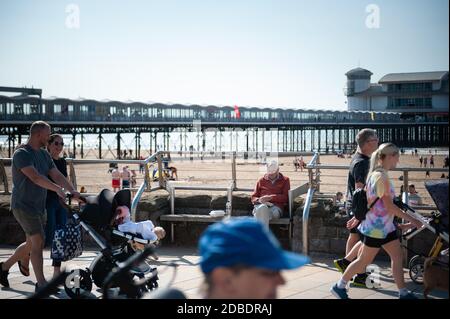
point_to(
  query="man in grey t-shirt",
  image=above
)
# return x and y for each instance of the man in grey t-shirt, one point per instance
(30, 167)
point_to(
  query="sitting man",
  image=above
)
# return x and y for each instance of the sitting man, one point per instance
(413, 197)
(271, 194)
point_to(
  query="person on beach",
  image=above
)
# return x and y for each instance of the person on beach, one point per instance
(115, 174)
(126, 176)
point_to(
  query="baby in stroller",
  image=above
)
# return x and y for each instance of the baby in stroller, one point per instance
(99, 219)
(145, 229)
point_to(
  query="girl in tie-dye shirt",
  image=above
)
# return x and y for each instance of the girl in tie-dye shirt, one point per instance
(378, 229)
(379, 222)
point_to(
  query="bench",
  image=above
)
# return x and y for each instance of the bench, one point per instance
(196, 218)
(209, 219)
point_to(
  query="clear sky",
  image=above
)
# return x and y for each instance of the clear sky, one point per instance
(289, 54)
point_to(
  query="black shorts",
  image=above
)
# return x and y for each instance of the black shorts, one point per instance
(377, 242)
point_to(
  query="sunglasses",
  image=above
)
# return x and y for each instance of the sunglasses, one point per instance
(58, 143)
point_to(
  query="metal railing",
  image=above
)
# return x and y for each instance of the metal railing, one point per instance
(314, 185)
(314, 168)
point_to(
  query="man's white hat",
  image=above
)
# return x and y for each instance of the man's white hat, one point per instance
(272, 167)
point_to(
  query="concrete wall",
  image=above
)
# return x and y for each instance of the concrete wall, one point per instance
(327, 231)
(379, 103)
(436, 85)
(361, 85)
(357, 103)
(440, 102)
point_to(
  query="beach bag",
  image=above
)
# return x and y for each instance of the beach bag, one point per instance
(359, 204)
(67, 243)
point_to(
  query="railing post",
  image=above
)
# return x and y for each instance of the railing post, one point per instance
(233, 169)
(172, 211)
(317, 173)
(405, 199)
(310, 176)
(147, 176)
(160, 171)
(230, 198)
(172, 198)
(305, 220)
(4, 177)
(405, 187)
(73, 177)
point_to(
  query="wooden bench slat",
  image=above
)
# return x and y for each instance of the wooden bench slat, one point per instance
(190, 218)
(209, 219)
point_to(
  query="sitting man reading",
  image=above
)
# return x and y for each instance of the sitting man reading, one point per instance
(271, 194)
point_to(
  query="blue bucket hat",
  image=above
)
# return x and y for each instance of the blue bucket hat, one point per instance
(244, 241)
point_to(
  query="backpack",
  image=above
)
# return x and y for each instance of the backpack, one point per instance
(360, 205)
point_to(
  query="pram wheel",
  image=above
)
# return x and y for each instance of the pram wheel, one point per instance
(416, 267)
(153, 283)
(78, 283)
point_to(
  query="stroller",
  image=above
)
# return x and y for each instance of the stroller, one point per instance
(437, 223)
(97, 218)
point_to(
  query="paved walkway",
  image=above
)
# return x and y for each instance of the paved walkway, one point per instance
(310, 282)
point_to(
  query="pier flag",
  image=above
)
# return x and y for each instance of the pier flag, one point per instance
(236, 112)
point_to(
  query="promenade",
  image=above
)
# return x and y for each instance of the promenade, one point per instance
(310, 282)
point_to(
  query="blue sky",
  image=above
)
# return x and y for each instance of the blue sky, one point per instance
(289, 54)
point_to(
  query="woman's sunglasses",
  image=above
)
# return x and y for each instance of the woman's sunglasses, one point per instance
(58, 143)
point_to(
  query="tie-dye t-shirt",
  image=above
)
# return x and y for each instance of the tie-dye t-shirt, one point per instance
(378, 223)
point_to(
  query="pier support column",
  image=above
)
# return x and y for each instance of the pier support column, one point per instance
(185, 137)
(271, 141)
(100, 145)
(82, 149)
(181, 140)
(137, 151)
(319, 139)
(263, 148)
(256, 144)
(332, 138)
(9, 143)
(119, 153)
(151, 142)
(215, 141)
(339, 139)
(74, 144)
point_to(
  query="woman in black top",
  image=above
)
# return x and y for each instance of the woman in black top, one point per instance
(56, 213)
